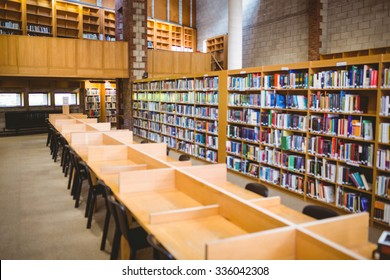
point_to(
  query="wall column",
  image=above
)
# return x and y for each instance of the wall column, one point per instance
(134, 32)
(235, 35)
(314, 29)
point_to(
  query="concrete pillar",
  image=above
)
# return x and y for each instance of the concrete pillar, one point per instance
(235, 34)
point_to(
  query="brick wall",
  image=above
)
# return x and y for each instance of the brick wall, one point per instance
(357, 24)
(211, 19)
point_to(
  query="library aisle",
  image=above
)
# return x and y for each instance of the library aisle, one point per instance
(38, 219)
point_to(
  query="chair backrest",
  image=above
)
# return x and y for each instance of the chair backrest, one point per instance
(319, 212)
(107, 194)
(118, 211)
(162, 253)
(184, 158)
(144, 142)
(257, 188)
(84, 165)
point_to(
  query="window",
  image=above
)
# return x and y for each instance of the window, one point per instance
(11, 99)
(39, 99)
(73, 98)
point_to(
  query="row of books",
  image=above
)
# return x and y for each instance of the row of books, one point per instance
(91, 36)
(384, 133)
(385, 106)
(382, 212)
(277, 158)
(383, 186)
(293, 182)
(9, 24)
(351, 201)
(356, 77)
(39, 28)
(245, 133)
(93, 98)
(210, 127)
(283, 120)
(269, 174)
(285, 140)
(242, 99)
(250, 81)
(383, 159)
(320, 190)
(386, 78)
(234, 147)
(336, 125)
(250, 151)
(170, 141)
(245, 116)
(291, 80)
(322, 169)
(243, 166)
(341, 102)
(353, 153)
(185, 134)
(349, 176)
(212, 142)
(92, 106)
(184, 121)
(110, 98)
(273, 99)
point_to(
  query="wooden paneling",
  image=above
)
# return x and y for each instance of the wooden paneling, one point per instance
(149, 11)
(186, 6)
(62, 53)
(32, 55)
(58, 57)
(162, 63)
(193, 14)
(160, 9)
(8, 55)
(108, 4)
(174, 11)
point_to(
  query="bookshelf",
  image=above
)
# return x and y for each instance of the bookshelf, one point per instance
(381, 209)
(110, 105)
(109, 25)
(92, 102)
(218, 47)
(319, 130)
(168, 36)
(11, 17)
(39, 18)
(182, 112)
(67, 20)
(91, 23)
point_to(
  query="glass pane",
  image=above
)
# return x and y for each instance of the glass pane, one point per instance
(11, 99)
(39, 99)
(72, 98)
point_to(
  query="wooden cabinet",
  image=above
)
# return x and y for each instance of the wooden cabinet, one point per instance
(218, 47)
(189, 38)
(11, 17)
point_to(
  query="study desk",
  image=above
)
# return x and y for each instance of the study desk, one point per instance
(195, 213)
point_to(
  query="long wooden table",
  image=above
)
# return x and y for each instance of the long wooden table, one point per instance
(197, 214)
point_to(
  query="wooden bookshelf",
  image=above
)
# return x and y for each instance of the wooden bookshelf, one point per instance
(110, 104)
(218, 47)
(356, 53)
(91, 23)
(109, 25)
(183, 112)
(11, 17)
(68, 20)
(92, 101)
(39, 18)
(168, 36)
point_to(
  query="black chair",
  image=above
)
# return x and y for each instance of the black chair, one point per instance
(319, 212)
(257, 188)
(80, 175)
(184, 158)
(49, 132)
(136, 237)
(159, 252)
(144, 142)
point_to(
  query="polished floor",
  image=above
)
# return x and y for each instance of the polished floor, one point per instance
(38, 219)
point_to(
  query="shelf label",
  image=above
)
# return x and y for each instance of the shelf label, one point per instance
(343, 63)
(243, 72)
(285, 68)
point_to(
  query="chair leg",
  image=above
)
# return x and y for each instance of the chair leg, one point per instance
(48, 138)
(70, 176)
(133, 254)
(89, 200)
(116, 244)
(105, 230)
(78, 194)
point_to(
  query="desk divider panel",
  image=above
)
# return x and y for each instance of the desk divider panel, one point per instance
(233, 208)
(311, 246)
(141, 157)
(104, 153)
(152, 149)
(92, 138)
(124, 136)
(146, 180)
(180, 163)
(99, 127)
(350, 231)
(213, 173)
(266, 201)
(116, 169)
(275, 244)
(89, 121)
(183, 214)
